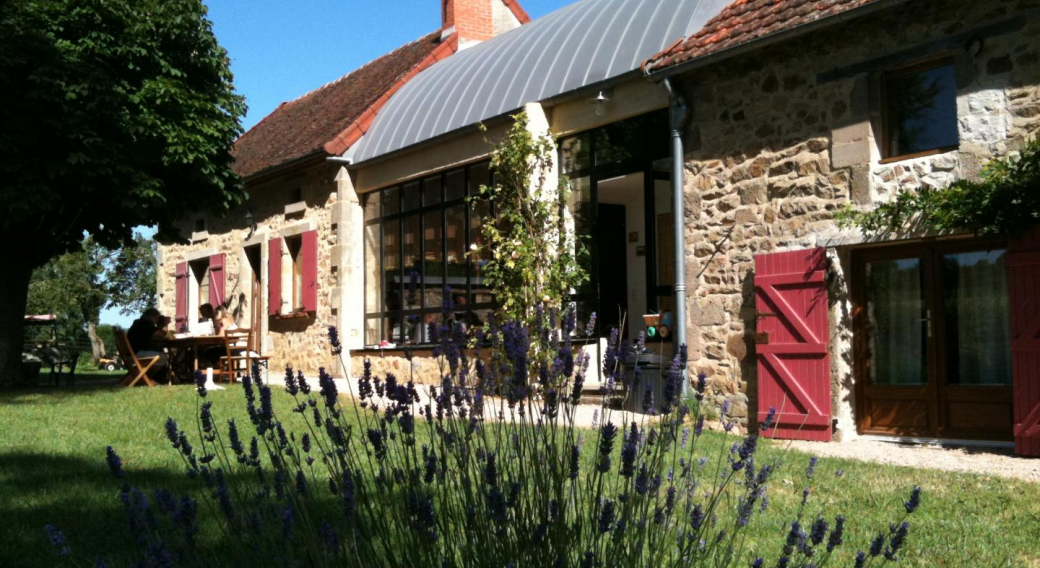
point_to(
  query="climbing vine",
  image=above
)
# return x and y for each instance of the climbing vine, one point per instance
(1004, 201)
(533, 256)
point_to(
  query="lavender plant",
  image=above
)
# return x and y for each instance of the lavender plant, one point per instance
(490, 468)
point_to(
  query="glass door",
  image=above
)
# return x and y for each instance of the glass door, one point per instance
(894, 343)
(932, 342)
(975, 393)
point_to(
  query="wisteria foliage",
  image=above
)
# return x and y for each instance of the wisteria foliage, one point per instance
(493, 471)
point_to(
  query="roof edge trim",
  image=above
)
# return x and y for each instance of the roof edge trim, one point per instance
(359, 127)
(518, 11)
(283, 168)
(657, 74)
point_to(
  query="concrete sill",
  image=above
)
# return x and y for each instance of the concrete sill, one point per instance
(923, 154)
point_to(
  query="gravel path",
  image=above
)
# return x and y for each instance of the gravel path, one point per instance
(984, 461)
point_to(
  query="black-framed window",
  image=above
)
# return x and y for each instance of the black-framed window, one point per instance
(636, 145)
(920, 112)
(421, 237)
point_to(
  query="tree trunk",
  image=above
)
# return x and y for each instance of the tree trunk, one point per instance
(14, 291)
(97, 345)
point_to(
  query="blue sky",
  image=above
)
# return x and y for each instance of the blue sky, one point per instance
(281, 49)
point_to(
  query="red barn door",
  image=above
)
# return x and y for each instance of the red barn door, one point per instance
(1024, 283)
(793, 362)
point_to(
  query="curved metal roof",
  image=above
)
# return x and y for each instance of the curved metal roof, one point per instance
(579, 45)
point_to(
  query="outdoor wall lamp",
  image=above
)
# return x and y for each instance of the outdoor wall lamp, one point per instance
(250, 222)
(600, 101)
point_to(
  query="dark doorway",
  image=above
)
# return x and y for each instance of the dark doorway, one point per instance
(613, 277)
(255, 287)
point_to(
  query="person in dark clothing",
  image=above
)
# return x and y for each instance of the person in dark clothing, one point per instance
(142, 334)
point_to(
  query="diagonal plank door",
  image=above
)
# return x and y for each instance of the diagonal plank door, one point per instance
(1024, 283)
(793, 363)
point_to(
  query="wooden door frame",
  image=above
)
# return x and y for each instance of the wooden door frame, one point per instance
(861, 377)
(937, 390)
(950, 392)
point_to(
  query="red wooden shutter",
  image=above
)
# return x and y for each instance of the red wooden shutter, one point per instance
(1024, 282)
(794, 365)
(217, 280)
(180, 291)
(309, 261)
(274, 276)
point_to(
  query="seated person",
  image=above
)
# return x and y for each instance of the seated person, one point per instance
(206, 322)
(164, 331)
(142, 334)
(222, 324)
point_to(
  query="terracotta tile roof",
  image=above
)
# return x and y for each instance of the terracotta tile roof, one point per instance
(747, 20)
(327, 120)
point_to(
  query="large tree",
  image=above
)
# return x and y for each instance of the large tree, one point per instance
(114, 114)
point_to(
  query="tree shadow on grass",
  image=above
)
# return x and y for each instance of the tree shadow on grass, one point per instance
(62, 393)
(81, 498)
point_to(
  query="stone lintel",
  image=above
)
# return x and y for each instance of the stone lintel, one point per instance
(296, 208)
(298, 228)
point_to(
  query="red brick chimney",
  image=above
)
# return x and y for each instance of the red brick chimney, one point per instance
(478, 20)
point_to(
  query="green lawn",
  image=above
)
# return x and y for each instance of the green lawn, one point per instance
(52, 470)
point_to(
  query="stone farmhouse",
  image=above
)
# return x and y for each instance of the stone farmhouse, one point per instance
(769, 116)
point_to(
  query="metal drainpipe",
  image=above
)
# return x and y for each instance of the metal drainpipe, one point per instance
(678, 114)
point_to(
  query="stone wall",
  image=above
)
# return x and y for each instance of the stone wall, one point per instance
(276, 209)
(419, 366)
(776, 146)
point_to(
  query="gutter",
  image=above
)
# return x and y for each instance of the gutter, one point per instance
(678, 114)
(270, 172)
(765, 41)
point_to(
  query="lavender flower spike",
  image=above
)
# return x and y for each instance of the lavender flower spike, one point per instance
(114, 462)
(337, 348)
(57, 539)
(915, 500)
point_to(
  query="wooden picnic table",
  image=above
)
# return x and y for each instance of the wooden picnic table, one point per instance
(186, 353)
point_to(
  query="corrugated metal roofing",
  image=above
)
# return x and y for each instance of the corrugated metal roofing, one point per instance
(579, 45)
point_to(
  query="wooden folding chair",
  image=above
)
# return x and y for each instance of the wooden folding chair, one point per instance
(136, 369)
(241, 353)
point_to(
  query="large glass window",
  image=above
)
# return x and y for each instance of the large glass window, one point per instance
(595, 163)
(420, 238)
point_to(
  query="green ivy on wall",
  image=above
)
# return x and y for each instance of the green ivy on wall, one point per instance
(1004, 201)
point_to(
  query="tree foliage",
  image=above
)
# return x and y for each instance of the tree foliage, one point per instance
(1004, 201)
(116, 114)
(533, 253)
(78, 285)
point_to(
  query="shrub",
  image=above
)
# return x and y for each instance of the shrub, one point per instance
(386, 479)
